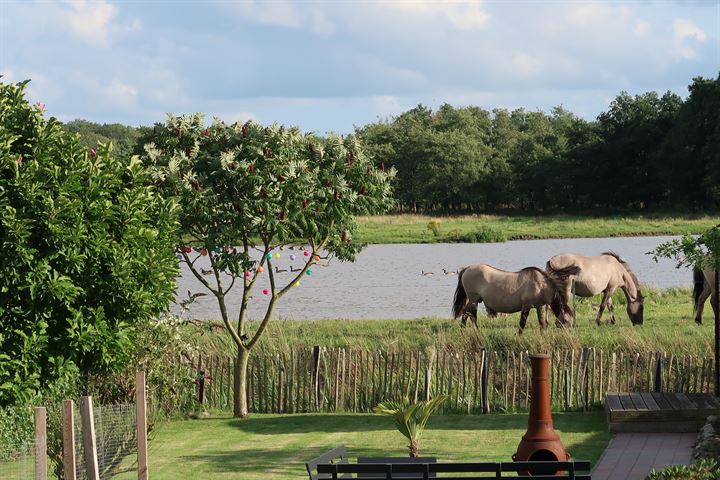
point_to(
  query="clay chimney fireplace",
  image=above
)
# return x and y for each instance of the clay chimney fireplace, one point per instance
(540, 442)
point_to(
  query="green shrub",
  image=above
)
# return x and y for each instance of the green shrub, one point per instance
(86, 252)
(16, 430)
(483, 234)
(434, 227)
(706, 469)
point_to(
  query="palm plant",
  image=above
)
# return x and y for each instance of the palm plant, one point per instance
(411, 418)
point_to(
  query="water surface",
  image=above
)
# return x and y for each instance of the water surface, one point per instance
(386, 281)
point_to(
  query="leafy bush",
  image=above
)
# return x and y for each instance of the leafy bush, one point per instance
(706, 469)
(434, 226)
(86, 252)
(483, 234)
(16, 430)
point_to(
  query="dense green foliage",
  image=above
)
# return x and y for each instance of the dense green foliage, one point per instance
(86, 253)
(246, 190)
(123, 137)
(645, 151)
(706, 469)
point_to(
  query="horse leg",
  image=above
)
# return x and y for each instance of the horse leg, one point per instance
(606, 296)
(470, 310)
(611, 309)
(542, 316)
(523, 319)
(700, 305)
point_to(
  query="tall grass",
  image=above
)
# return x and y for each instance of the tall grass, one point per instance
(668, 327)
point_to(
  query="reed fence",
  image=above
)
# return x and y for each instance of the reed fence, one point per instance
(348, 380)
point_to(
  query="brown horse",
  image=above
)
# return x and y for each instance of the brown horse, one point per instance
(704, 280)
(603, 273)
(507, 292)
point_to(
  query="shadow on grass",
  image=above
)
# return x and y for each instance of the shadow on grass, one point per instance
(585, 436)
(334, 423)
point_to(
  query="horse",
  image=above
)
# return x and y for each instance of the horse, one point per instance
(603, 273)
(704, 280)
(507, 292)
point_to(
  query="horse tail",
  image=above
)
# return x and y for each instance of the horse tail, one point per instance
(460, 296)
(699, 285)
(559, 277)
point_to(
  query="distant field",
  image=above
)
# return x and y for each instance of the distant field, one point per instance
(277, 446)
(413, 228)
(668, 327)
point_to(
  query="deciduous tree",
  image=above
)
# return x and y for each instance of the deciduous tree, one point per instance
(246, 190)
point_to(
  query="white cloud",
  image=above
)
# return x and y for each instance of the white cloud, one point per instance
(280, 13)
(240, 117)
(588, 14)
(642, 28)
(90, 20)
(321, 23)
(387, 106)
(525, 64)
(121, 93)
(464, 15)
(683, 28)
(683, 31)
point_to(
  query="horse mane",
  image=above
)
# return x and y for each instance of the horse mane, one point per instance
(544, 274)
(528, 269)
(627, 267)
(562, 273)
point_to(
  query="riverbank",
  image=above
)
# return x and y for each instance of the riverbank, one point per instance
(668, 327)
(417, 228)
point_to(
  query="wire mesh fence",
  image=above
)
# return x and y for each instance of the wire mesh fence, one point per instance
(21, 466)
(115, 442)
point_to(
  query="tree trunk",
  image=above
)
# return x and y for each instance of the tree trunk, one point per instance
(240, 404)
(715, 297)
(414, 448)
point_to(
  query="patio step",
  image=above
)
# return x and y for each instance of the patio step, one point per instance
(646, 412)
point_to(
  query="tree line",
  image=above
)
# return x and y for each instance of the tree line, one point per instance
(646, 152)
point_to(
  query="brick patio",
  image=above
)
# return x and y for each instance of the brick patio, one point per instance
(632, 456)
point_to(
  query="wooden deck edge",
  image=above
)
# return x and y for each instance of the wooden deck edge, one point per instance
(660, 427)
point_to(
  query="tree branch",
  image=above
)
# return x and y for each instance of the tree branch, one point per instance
(197, 274)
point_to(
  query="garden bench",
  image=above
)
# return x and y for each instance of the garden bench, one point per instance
(339, 455)
(335, 456)
(424, 470)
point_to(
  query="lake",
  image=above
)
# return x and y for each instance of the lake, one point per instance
(386, 281)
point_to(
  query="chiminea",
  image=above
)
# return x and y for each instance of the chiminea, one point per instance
(540, 442)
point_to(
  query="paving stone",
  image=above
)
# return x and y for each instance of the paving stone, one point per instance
(633, 455)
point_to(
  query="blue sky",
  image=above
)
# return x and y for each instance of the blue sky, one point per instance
(330, 65)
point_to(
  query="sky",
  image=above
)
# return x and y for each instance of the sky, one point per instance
(328, 66)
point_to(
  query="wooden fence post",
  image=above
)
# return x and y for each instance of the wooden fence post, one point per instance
(316, 375)
(484, 378)
(428, 372)
(141, 425)
(88, 423)
(40, 443)
(657, 384)
(68, 413)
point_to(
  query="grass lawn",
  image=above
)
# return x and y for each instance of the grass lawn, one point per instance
(668, 327)
(276, 447)
(413, 228)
